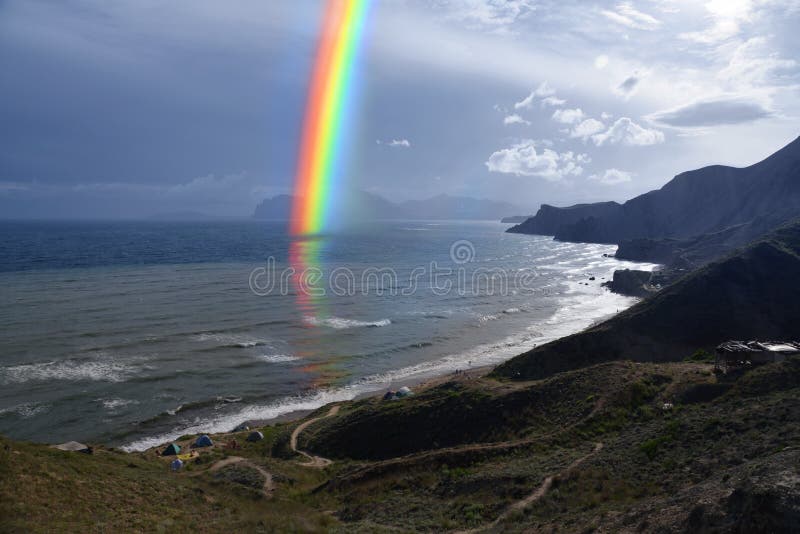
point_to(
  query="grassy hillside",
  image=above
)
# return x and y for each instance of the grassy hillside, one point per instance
(589, 450)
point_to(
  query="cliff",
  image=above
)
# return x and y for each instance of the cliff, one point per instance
(734, 204)
(752, 294)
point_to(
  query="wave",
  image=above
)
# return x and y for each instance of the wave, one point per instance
(71, 370)
(25, 410)
(339, 323)
(231, 341)
(114, 404)
(278, 358)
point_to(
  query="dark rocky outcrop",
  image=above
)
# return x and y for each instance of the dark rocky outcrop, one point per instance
(630, 282)
(550, 220)
(752, 294)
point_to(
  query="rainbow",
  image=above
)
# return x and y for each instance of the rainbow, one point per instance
(329, 93)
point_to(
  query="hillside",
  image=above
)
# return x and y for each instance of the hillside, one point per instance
(752, 294)
(588, 450)
(737, 205)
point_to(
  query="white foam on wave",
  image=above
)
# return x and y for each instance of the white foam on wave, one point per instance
(114, 404)
(278, 358)
(243, 342)
(107, 370)
(25, 410)
(340, 323)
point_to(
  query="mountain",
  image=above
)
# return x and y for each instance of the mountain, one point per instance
(278, 208)
(751, 294)
(723, 206)
(368, 206)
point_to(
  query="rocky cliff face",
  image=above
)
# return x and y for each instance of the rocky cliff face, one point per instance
(753, 294)
(630, 282)
(705, 201)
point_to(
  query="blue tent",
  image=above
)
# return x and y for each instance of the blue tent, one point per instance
(176, 464)
(255, 436)
(203, 441)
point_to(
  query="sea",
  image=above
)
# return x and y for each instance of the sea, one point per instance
(134, 333)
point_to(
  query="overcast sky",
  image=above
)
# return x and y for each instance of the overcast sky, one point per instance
(135, 107)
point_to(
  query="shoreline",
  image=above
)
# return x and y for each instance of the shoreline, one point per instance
(416, 385)
(581, 308)
(428, 374)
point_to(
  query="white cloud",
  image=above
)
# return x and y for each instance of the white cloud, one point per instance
(395, 143)
(600, 62)
(523, 159)
(552, 101)
(612, 177)
(487, 13)
(627, 15)
(568, 116)
(753, 64)
(514, 119)
(605, 116)
(544, 90)
(727, 17)
(627, 132)
(723, 109)
(587, 128)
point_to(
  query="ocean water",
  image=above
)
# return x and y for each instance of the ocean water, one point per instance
(133, 333)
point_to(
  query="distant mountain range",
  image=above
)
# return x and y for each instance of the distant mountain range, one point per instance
(695, 217)
(374, 207)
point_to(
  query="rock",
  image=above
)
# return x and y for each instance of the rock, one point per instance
(630, 283)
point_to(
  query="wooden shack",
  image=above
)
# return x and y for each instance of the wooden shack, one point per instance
(737, 354)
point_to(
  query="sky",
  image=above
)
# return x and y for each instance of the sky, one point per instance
(132, 108)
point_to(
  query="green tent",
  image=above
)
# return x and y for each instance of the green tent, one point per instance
(171, 450)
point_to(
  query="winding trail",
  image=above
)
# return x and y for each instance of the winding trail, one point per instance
(231, 460)
(313, 461)
(537, 494)
(380, 467)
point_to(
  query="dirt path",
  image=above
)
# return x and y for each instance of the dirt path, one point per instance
(231, 460)
(313, 461)
(537, 494)
(382, 466)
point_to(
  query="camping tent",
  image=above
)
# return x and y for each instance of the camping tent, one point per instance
(389, 395)
(242, 427)
(255, 436)
(203, 441)
(176, 464)
(171, 450)
(404, 392)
